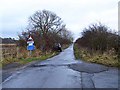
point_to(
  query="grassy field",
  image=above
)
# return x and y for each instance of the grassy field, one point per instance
(105, 58)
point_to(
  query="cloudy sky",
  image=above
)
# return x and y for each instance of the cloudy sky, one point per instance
(76, 14)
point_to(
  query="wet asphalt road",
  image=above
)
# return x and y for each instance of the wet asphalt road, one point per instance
(63, 71)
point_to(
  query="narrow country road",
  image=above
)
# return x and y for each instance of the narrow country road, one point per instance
(63, 71)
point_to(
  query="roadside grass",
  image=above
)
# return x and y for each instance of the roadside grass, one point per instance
(96, 57)
(40, 58)
(23, 58)
(24, 61)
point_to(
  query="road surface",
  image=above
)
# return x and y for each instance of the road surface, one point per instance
(63, 71)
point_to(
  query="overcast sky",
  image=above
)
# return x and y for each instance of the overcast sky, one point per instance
(76, 14)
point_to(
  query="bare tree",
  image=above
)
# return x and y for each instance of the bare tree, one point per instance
(45, 21)
(46, 29)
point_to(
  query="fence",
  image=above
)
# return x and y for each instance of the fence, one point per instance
(8, 50)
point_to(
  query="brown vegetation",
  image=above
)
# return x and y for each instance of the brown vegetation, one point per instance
(99, 45)
(46, 29)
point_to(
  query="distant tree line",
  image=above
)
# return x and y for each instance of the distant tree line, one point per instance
(98, 37)
(46, 28)
(7, 41)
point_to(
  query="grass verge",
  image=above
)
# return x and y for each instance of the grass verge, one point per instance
(24, 59)
(96, 57)
(42, 57)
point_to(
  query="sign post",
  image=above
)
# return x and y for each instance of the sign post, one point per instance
(30, 46)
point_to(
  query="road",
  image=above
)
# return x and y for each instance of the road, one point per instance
(63, 71)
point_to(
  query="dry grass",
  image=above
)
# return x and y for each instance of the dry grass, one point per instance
(23, 58)
(108, 59)
(22, 55)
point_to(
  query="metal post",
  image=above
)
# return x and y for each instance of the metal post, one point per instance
(30, 53)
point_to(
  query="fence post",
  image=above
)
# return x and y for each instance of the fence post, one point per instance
(17, 52)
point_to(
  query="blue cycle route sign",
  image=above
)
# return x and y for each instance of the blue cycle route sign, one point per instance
(31, 47)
